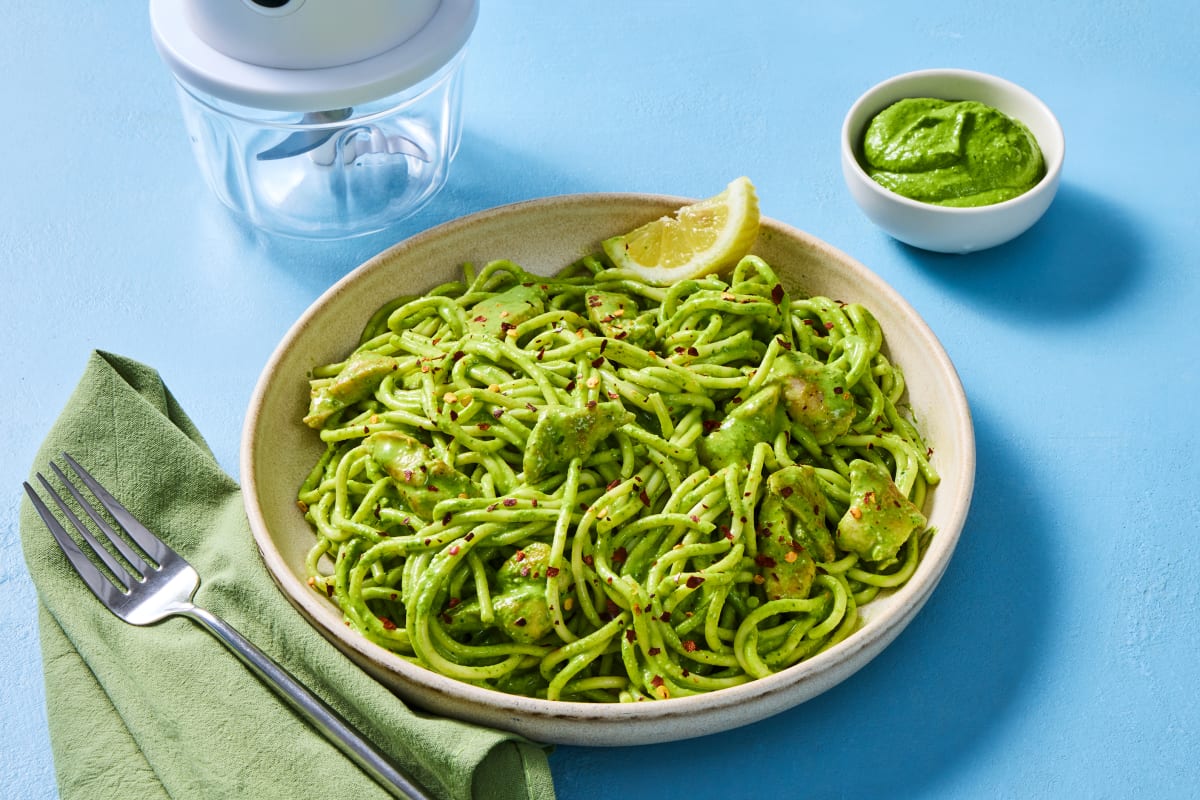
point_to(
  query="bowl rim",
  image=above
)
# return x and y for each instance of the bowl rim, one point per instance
(512, 711)
(1047, 184)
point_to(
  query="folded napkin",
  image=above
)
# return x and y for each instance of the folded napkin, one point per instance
(166, 711)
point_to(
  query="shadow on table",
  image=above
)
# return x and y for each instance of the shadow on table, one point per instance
(483, 175)
(918, 712)
(1081, 258)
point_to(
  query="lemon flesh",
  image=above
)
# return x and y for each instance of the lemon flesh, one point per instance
(705, 237)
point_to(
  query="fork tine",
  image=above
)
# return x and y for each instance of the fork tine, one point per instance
(101, 586)
(133, 557)
(115, 566)
(151, 544)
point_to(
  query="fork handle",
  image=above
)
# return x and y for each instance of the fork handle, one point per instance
(317, 711)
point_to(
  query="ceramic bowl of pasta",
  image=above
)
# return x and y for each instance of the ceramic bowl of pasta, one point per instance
(528, 490)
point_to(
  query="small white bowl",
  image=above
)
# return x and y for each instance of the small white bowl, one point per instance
(544, 236)
(947, 229)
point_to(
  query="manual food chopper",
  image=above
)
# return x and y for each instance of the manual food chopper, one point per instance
(319, 118)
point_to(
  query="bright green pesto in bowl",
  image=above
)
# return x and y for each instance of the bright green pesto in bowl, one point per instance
(951, 153)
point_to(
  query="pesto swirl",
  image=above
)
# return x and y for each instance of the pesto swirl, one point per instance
(951, 153)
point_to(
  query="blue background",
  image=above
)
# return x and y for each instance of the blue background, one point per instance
(1059, 656)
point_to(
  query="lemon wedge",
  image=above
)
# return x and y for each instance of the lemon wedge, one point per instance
(704, 237)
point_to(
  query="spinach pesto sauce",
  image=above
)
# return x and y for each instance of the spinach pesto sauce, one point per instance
(951, 153)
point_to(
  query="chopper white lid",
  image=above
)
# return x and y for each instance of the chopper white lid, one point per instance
(198, 63)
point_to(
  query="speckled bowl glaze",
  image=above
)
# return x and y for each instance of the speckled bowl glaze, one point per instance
(544, 236)
(946, 229)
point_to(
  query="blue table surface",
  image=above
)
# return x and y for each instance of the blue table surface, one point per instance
(1059, 656)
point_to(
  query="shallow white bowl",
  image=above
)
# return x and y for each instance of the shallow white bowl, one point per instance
(544, 236)
(940, 228)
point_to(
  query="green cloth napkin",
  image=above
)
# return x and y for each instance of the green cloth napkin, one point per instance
(166, 711)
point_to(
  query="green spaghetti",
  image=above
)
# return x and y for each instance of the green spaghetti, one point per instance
(588, 488)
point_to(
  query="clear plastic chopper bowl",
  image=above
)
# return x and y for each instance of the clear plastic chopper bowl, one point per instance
(320, 152)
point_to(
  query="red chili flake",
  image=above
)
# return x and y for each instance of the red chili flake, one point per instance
(603, 345)
(619, 555)
(598, 362)
(570, 387)
(329, 590)
(457, 355)
(454, 549)
(612, 607)
(828, 326)
(666, 616)
(453, 601)
(541, 354)
(694, 581)
(777, 294)
(594, 301)
(784, 345)
(591, 404)
(525, 572)
(520, 622)
(693, 352)
(711, 425)
(430, 487)
(787, 491)
(505, 327)
(427, 542)
(492, 507)
(615, 483)
(470, 535)
(393, 596)
(630, 635)
(684, 672)
(838, 390)
(929, 452)
(589, 560)
(454, 416)
(656, 681)
(584, 507)
(653, 651)
(446, 519)
(483, 426)
(408, 473)
(533, 502)
(509, 502)
(531, 407)
(520, 555)
(366, 429)
(729, 534)
(620, 334)
(737, 401)
(764, 561)
(645, 498)
(388, 625)
(551, 572)
(693, 518)
(480, 318)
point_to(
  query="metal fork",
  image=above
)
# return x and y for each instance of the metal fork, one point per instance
(148, 590)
